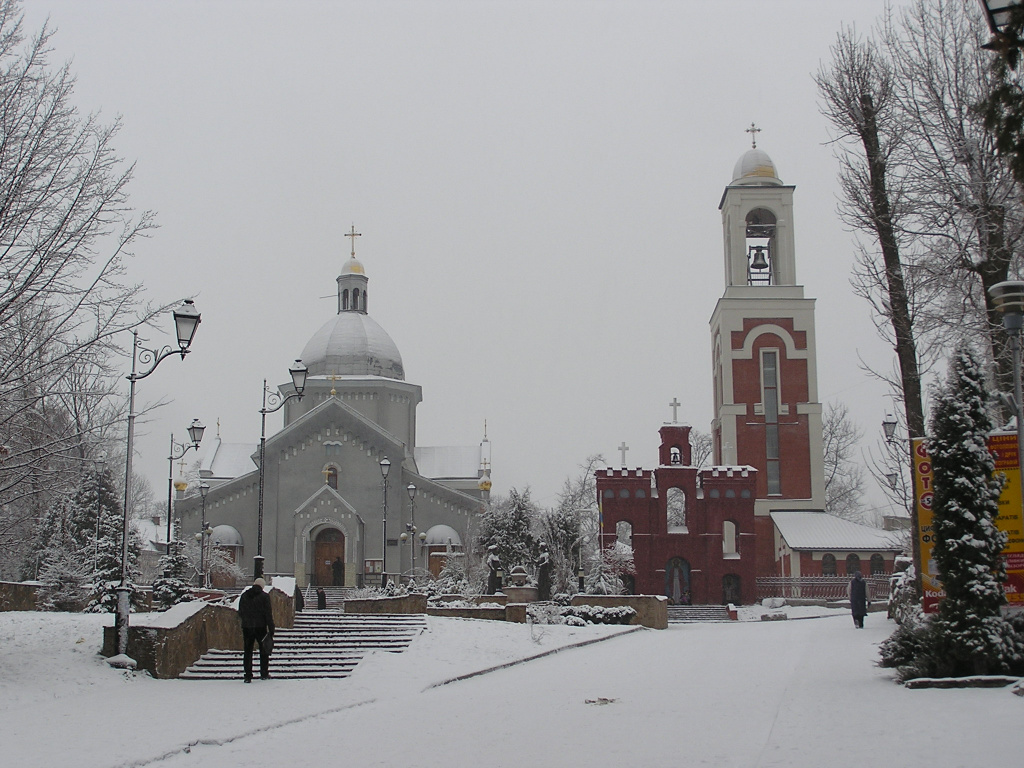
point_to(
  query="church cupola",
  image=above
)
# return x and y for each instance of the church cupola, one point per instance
(352, 282)
(757, 215)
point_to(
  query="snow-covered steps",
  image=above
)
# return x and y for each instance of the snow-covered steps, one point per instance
(684, 614)
(321, 644)
(336, 596)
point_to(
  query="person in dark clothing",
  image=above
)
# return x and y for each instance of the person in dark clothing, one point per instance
(299, 600)
(338, 572)
(257, 617)
(321, 598)
(858, 600)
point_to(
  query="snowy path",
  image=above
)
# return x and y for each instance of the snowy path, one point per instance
(796, 694)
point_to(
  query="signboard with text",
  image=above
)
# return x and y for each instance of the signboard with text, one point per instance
(1003, 447)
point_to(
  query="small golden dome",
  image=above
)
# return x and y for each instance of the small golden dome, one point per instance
(353, 267)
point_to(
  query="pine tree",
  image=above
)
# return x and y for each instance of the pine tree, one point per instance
(508, 525)
(966, 503)
(107, 545)
(173, 587)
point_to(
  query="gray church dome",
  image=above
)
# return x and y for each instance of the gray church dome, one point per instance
(353, 344)
(755, 168)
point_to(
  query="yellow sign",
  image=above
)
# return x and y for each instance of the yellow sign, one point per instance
(1003, 447)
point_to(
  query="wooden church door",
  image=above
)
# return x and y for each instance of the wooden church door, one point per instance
(330, 545)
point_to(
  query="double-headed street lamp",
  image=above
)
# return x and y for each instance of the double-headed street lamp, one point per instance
(204, 532)
(410, 527)
(276, 402)
(385, 467)
(186, 321)
(178, 450)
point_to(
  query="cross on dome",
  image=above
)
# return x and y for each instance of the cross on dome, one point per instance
(753, 130)
(353, 234)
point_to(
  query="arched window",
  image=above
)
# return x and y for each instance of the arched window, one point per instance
(624, 493)
(877, 565)
(624, 533)
(331, 477)
(828, 565)
(355, 299)
(344, 299)
(852, 564)
(640, 494)
(761, 247)
(675, 456)
(609, 493)
(728, 538)
(675, 509)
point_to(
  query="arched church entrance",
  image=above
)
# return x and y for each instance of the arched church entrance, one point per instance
(677, 581)
(328, 548)
(731, 592)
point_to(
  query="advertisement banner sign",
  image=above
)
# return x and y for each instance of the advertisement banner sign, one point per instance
(1003, 447)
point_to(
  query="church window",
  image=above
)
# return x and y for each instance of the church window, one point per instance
(852, 564)
(745, 493)
(624, 493)
(729, 538)
(730, 493)
(344, 299)
(675, 456)
(713, 493)
(331, 477)
(877, 565)
(624, 533)
(828, 564)
(609, 493)
(640, 494)
(355, 299)
(675, 509)
(770, 400)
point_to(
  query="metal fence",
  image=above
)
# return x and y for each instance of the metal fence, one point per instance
(818, 587)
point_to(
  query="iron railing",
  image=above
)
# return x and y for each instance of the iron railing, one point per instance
(818, 587)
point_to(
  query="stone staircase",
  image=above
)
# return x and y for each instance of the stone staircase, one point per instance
(336, 596)
(688, 614)
(322, 644)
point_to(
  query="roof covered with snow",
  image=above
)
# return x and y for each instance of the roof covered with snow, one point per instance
(818, 530)
(353, 343)
(228, 460)
(448, 461)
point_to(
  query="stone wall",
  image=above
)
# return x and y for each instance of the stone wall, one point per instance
(18, 596)
(404, 604)
(492, 614)
(651, 610)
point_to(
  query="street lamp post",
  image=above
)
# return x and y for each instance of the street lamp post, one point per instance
(411, 490)
(385, 467)
(276, 402)
(1008, 297)
(101, 461)
(186, 321)
(204, 530)
(178, 450)
(889, 425)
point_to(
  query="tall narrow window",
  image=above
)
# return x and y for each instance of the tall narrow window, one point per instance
(770, 400)
(355, 299)
(852, 564)
(728, 538)
(344, 299)
(828, 564)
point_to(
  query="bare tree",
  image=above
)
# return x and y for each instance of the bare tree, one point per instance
(859, 98)
(844, 477)
(66, 229)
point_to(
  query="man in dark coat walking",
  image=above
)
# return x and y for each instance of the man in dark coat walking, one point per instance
(257, 618)
(858, 600)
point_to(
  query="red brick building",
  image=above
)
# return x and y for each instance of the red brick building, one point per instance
(692, 531)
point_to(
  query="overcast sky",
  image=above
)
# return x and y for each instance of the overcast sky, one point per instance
(536, 184)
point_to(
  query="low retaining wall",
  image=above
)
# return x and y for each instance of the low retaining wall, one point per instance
(404, 604)
(651, 610)
(492, 614)
(18, 596)
(166, 646)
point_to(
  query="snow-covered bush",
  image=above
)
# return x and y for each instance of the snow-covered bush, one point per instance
(172, 587)
(598, 614)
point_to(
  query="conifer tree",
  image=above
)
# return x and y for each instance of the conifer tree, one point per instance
(966, 504)
(107, 546)
(172, 587)
(508, 525)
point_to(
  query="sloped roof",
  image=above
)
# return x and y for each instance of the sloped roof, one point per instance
(818, 530)
(448, 461)
(228, 460)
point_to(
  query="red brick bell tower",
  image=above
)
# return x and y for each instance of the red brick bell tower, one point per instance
(767, 413)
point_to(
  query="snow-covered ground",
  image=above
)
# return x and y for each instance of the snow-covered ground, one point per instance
(780, 693)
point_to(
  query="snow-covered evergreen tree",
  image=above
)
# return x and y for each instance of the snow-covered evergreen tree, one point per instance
(608, 566)
(108, 547)
(65, 576)
(173, 587)
(966, 504)
(508, 524)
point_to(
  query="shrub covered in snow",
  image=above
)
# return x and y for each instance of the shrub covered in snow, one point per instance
(598, 614)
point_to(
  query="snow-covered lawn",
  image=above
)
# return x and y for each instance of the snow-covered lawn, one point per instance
(780, 693)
